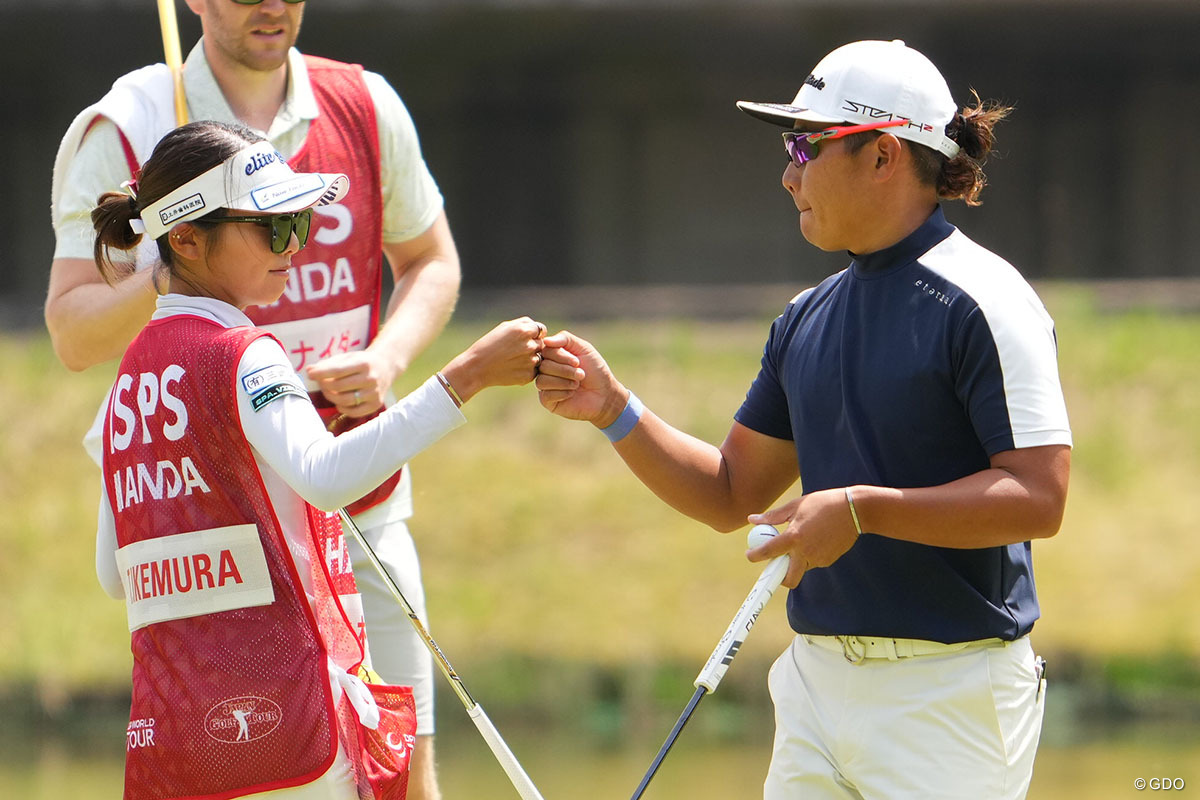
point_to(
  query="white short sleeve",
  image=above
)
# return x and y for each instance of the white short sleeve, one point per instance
(411, 199)
(98, 166)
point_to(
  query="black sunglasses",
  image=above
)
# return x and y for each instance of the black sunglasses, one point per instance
(282, 225)
(257, 2)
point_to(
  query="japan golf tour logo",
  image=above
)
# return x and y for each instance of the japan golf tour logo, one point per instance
(242, 719)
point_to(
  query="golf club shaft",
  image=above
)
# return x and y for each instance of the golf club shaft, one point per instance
(671, 737)
(508, 762)
(718, 663)
(173, 56)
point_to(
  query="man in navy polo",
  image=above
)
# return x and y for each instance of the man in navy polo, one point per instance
(916, 395)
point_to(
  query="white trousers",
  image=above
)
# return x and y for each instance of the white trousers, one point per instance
(397, 652)
(336, 784)
(949, 726)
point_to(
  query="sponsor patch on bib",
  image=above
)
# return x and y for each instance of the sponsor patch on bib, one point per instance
(307, 341)
(270, 383)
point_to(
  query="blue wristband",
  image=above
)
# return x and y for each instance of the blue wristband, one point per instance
(623, 424)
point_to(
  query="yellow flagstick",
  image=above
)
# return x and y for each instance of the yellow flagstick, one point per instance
(174, 57)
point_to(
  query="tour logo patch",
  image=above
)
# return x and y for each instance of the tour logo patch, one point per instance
(242, 719)
(270, 383)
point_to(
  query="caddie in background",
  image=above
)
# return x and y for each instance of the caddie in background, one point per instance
(322, 116)
(916, 396)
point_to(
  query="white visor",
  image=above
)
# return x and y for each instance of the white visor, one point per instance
(255, 178)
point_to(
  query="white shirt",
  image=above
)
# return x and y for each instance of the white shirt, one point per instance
(411, 200)
(298, 458)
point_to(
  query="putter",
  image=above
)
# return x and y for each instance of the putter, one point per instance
(508, 762)
(714, 669)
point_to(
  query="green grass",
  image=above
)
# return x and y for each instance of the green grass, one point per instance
(1123, 576)
(539, 547)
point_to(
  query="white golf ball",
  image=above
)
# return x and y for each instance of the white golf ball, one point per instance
(759, 535)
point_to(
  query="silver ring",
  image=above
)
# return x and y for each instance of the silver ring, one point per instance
(357, 398)
(538, 363)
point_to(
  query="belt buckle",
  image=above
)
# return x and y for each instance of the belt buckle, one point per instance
(854, 649)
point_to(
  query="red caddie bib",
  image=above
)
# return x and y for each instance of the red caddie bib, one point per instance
(332, 301)
(231, 691)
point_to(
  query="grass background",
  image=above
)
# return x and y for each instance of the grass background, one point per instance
(552, 574)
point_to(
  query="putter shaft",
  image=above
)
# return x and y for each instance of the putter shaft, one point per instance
(508, 762)
(722, 656)
(671, 737)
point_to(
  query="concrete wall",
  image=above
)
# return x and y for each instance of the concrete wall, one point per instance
(579, 145)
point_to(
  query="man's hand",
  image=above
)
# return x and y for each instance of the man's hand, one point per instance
(819, 530)
(355, 382)
(576, 383)
(507, 355)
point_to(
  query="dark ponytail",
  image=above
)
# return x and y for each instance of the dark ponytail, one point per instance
(183, 154)
(973, 130)
(110, 219)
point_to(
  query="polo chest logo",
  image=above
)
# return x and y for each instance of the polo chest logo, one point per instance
(242, 719)
(929, 290)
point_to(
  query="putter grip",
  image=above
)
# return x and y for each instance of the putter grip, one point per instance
(743, 621)
(520, 780)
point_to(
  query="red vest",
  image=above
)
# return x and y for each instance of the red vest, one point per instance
(332, 301)
(231, 689)
(336, 277)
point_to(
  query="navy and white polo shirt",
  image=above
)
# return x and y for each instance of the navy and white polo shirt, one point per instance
(911, 368)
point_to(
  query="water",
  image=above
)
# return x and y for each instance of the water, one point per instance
(1102, 768)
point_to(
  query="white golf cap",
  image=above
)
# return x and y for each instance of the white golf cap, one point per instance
(256, 178)
(871, 81)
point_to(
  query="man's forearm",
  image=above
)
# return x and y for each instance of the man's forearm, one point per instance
(92, 322)
(718, 486)
(1002, 505)
(421, 305)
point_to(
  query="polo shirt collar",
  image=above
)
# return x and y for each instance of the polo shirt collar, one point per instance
(908, 249)
(207, 102)
(219, 311)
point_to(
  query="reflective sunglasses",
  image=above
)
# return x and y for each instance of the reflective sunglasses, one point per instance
(257, 2)
(801, 146)
(282, 225)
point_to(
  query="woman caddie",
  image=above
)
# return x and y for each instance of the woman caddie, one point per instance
(247, 637)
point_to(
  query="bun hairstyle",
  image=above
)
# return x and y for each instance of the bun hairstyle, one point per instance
(961, 177)
(180, 156)
(973, 129)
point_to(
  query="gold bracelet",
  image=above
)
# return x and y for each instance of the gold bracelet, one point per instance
(853, 511)
(458, 401)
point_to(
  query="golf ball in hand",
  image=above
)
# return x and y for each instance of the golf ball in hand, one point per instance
(759, 535)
